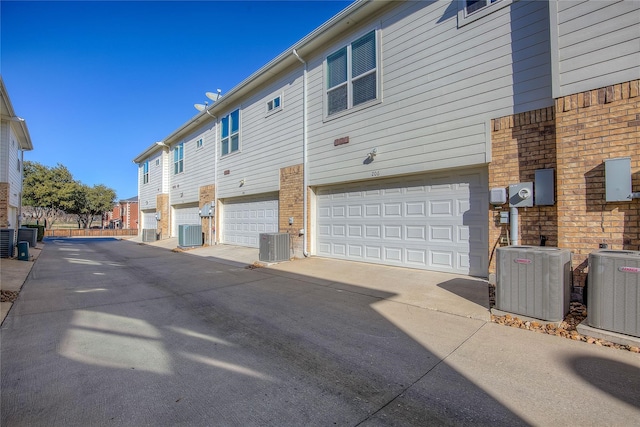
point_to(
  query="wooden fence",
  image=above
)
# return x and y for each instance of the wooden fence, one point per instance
(91, 232)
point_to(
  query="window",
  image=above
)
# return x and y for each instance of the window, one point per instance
(145, 172)
(475, 5)
(157, 162)
(230, 133)
(178, 159)
(352, 75)
(274, 105)
(199, 143)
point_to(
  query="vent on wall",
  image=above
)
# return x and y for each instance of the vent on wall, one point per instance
(274, 247)
(189, 235)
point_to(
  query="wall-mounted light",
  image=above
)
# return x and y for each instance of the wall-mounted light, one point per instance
(372, 154)
(241, 182)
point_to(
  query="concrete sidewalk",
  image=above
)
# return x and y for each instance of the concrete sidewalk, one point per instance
(13, 274)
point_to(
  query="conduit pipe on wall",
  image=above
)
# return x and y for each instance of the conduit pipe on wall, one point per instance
(513, 228)
(304, 154)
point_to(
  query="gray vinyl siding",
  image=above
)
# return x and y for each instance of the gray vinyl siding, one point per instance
(268, 142)
(198, 166)
(15, 174)
(149, 191)
(441, 85)
(598, 44)
(4, 151)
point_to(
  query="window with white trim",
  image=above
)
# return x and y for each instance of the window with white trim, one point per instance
(471, 6)
(274, 105)
(199, 143)
(145, 172)
(352, 75)
(230, 133)
(178, 159)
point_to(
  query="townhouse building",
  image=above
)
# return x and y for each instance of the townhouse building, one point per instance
(382, 135)
(124, 214)
(14, 141)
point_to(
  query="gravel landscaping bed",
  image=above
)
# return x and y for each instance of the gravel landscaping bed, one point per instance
(566, 329)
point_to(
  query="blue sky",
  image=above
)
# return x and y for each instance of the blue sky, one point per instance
(98, 82)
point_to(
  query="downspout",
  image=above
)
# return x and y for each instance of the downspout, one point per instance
(304, 154)
(215, 181)
(19, 219)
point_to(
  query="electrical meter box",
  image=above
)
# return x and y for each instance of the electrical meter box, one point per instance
(521, 195)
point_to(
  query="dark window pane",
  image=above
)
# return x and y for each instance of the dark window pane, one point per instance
(364, 89)
(337, 68)
(225, 127)
(337, 99)
(363, 53)
(234, 143)
(225, 146)
(235, 121)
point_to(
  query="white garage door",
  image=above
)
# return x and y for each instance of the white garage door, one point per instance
(149, 219)
(433, 222)
(185, 214)
(244, 220)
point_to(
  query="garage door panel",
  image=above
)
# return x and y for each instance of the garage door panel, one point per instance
(429, 222)
(244, 220)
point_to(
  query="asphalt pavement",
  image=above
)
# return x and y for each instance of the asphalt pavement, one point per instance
(116, 332)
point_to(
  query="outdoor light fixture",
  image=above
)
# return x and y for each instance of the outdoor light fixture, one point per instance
(241, 182)
(372, 154)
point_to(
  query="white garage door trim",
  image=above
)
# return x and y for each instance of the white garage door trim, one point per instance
(244, 219)
(186, 214)
(432, 222)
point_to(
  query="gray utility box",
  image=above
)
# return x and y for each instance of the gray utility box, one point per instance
(274, 247)
(6, 242)
(149, 235)
(189, 235)
(534, 281)
(613, 292)
(29, 235)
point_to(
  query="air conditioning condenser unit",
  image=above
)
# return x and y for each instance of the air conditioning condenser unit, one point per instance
(274, 247)
(613, 291)
(534, 281)
(189, 235)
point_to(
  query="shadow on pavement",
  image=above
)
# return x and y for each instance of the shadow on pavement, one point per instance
(609, 376)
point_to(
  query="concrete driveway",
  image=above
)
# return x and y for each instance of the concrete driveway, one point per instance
(109, 332)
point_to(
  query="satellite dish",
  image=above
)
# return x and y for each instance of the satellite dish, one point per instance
(214, 96)
(200, 107)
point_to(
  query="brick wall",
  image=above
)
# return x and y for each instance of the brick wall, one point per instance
(162, 206)
(522, 143)
(207, 194)
(4, 205)
(290, 205)
(574, 137)
(591, 127)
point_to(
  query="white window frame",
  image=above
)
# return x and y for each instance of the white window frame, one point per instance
(350, 79)
(178, 164)
(145, 172)
(157, 162)
(229, 137)
(465, 18)
(270, 105)
(199, 143)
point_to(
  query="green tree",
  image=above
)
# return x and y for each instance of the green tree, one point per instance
(89, 202)
(48, 190)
